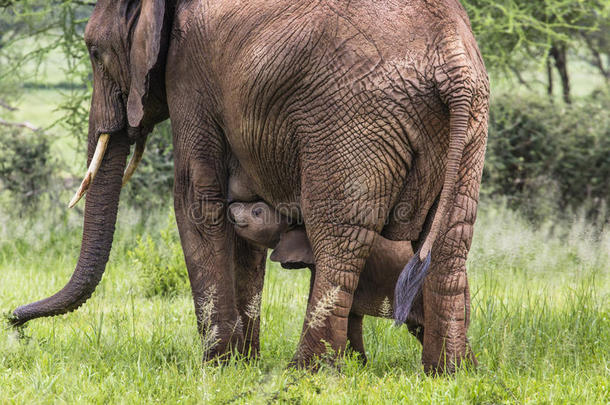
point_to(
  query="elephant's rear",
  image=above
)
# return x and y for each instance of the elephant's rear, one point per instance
(336, 69)
(363, 104)
(433, 288)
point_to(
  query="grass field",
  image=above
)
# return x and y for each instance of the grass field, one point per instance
(541, 328)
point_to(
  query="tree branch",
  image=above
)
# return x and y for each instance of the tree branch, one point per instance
(5, 105)
(84, 3)
(519, 77)
(25, 124)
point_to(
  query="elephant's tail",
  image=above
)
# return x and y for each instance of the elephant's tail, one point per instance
(412, 277)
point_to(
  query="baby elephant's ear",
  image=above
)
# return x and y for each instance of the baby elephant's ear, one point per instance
(293, 250)
(147, 54)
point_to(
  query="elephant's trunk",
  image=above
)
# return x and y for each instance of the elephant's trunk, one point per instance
(98, 230)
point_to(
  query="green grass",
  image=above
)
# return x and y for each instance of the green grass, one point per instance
(541, 328)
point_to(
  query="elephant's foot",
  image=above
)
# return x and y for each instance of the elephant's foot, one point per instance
(360, 353)
(222, 338)
(444, 354)
(445, 346)
(324, 335)
(449, 362)
(235, 340)
(250, 347)
(320, 346)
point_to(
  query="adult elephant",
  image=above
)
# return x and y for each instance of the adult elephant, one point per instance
(371, 117)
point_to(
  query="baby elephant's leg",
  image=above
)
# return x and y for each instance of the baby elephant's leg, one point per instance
(354, 334)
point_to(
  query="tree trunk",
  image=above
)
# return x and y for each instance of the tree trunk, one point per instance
(599, 63)
(549, 74)
(559, 53)
(598, 60)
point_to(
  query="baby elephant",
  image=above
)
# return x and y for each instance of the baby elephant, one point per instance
(260, 224)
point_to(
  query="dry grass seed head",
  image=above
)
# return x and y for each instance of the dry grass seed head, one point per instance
(323, 309)
(386, 308)
(253, 309)
(206, 305)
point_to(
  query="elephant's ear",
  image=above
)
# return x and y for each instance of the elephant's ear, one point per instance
(294, 250)
(145, 56)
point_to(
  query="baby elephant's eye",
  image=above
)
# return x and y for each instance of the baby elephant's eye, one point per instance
(95, 55)
(257, 212)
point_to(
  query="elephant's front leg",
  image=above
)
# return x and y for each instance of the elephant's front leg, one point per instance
(210, 248)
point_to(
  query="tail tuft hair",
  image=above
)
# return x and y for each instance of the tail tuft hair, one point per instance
(409, 286)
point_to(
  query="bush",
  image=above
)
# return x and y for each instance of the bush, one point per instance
(160, 263)
(26, 166)
(545, 157)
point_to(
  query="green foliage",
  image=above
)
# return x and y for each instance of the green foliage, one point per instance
(30, 31)
(515, 35)
(26, 166)
(541, 154)
(153, 182)
(160, 263)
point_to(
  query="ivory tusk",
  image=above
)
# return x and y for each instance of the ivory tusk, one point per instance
(134, 161)
(96, 162)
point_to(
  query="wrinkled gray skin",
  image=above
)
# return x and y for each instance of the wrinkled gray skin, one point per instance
(369, 116)
(260, 224)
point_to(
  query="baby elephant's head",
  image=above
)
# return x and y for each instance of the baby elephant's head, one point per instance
(258, 223)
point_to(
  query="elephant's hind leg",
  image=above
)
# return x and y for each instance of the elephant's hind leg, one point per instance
(445, 292)
(336, 277)
(354, 325)
(341, 238)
